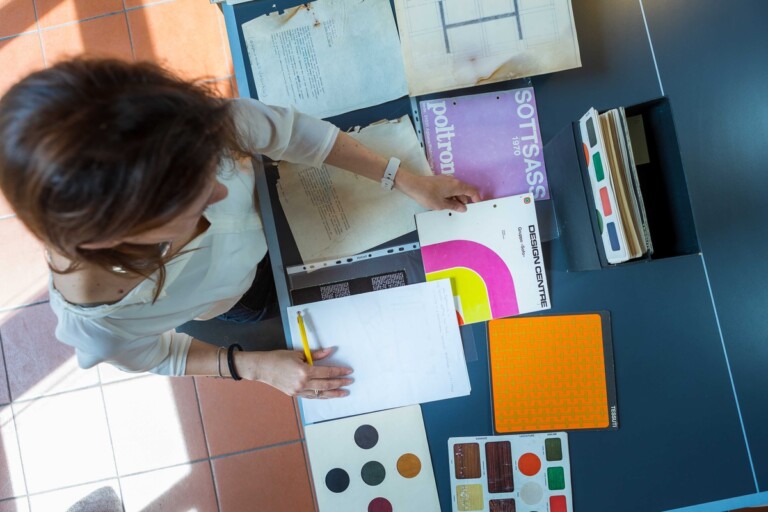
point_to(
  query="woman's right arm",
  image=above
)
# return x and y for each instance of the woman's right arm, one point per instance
(286, 370)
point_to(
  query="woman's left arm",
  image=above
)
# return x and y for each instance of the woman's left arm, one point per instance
(433, 192)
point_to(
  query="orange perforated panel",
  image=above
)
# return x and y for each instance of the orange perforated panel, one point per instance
(548, 373)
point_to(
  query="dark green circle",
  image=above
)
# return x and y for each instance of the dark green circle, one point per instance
(366, 437)
(373, 473)
(337, 480)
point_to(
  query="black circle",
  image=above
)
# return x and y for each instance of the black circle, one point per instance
(373, 473)
(337, 480)
(366, 437)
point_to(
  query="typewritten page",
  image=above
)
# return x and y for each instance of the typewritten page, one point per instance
(334, 213)
(327, 57)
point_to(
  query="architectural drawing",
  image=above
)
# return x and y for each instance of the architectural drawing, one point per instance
(449, 44)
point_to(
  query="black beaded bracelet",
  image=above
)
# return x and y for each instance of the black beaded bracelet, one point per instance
(231, 360)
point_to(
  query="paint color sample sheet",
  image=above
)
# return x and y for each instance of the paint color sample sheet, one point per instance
(403, 343)
(335, 213)
(603, 189)
(620, 211)
(374, 462)
(552, 373)
(449, 44)
(492, 255)
(520, 473)
(320, 56)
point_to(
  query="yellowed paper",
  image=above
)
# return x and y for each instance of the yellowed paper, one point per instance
(327, 57)
(334, 213)
(619, 178)
(448, 44)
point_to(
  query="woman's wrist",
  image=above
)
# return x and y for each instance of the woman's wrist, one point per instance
(405, 181)
(248, 365)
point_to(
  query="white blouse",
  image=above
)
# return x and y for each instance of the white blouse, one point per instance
(137, 335)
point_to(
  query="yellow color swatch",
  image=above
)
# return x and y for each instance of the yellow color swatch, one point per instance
(548, 373)
(470, 289)
(470, 497)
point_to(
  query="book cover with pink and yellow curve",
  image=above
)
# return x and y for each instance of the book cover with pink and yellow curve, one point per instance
(492, 255)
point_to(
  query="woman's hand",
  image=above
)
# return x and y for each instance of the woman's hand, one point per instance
(436, 192)
(288, 371)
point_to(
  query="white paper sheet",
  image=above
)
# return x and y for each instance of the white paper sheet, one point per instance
(334, 213)
(327, 57)
(448, 44)
(403, 344)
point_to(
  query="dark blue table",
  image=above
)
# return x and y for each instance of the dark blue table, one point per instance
(690, 333)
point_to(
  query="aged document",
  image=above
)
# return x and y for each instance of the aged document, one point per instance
(448, 44)
(335, 213)
(327, 57)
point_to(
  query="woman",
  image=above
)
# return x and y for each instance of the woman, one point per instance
(130, 178)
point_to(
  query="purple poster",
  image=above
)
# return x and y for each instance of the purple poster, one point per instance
(489, 140)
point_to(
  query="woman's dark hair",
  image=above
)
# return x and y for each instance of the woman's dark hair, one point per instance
(96, 150)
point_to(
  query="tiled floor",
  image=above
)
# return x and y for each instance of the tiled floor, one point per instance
(99, 439)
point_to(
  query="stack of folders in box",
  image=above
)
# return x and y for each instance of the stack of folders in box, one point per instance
(618, 199)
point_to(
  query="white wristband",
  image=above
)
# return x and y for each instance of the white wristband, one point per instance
(388, 181)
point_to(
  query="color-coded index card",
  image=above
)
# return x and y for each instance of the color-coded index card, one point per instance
(552, 373)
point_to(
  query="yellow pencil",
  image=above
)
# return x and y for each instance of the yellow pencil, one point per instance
(307, 352)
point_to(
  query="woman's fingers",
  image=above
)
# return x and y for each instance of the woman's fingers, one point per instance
(332, 393)
(327, 372)
(321, 353)
(326, 384)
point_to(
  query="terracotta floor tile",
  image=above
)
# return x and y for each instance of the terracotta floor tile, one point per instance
(19, 56)
(17, 505)
(101, 37)
(297, 408)
(305, 453)
(132, 4)
(155, 423)
(64, 440)
(186, 487)
(244, 415)
(23, 267)
(12, 482)
(275, 478)
(227, 54)
(103, 496)
(56, 12)
(182, 35)
(16, 16)
(223, 87)
(38, 364)
(5, 393)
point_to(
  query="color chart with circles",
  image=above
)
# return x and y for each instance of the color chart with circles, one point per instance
(609, 221)
(377, 462)
(552, 372)
(512, 473)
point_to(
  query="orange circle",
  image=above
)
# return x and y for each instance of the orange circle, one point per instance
(408, 465)
(529, 464)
